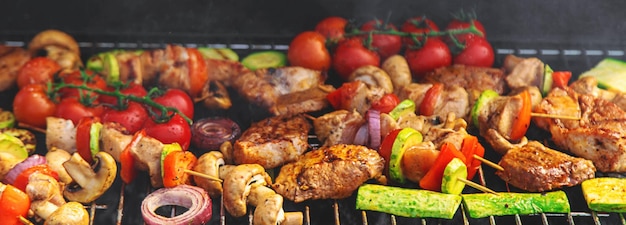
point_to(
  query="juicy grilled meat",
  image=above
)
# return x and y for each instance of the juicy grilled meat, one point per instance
(537, 168)
(597, 136)
(453, 99)
(474, 79)
(328, 172)
(11, 60)
(589, 85)
(273, 141)
(338, 127)
(523, 72)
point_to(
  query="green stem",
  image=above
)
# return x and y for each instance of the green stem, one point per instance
(415, 36)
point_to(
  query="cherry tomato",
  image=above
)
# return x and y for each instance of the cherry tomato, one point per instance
(477, 52)
(132, 89)
(352, 54)
(464, 23)
(308, 49)
(14, 204)
(72, 109)
(341, 97)
(387, 145)
(174, 166)
(178, 99)
(434, 54)
(385, 44)
(333, 28)
(386, 103)
(176, 130)
(88, 78)
(32, 105)
(417, 25)
(431, 97)
(132, 117)
(38, 70)
(83, 137)
(198, 73)
(22, 179)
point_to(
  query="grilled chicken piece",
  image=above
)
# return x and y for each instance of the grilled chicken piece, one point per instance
(173, 69)
(338, 127)
(589, 85)
(537, 168)
(264, 87)
(523, 72)
(273, 141)
(472, 78)
(114, 138)
(453, 99)
(330, 172)
(597, 136)
(147, 155)
(11, 60)
(309, 100)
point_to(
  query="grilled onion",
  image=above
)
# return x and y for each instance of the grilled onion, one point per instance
(194, 198)
(29, 162)
(210, 133)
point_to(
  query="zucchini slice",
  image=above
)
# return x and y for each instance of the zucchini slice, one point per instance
(219, 53)
(610, 74)
(450, 183)
(264, 59)
(404, 107)
(406, 138)
(482, 205)
(605, 194)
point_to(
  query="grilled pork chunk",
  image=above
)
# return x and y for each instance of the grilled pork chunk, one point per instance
(597, 136)
(523, 72)
(11, 60)
(273, 141)
(338, 127)
(453, 99)
(330, 172)
(589, 85)
(537, 168)
(472, 78)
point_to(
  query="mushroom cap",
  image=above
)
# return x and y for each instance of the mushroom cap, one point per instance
(209, 164)
(53, 37)
(237, 186)
(71, 213)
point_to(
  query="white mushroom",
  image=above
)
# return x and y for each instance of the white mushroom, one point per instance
(237, 186)
(71, 213)
(58, 46)
(209, 164)
(55, 159)
(91, 183)
(398, 70)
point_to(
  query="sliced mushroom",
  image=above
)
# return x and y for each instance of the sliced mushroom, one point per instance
(398, 70)
(209, 164)
(269, 208)
(57, 45)
(44, 187)
(55, 159)
(227, 151)
(373, 76)
(91, 183)
(71, 213)
(214, 95)
(237, 186)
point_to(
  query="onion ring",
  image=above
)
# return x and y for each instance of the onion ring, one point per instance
(29, 162)
(210, 133)
(373, 123)
(194, 198)
(361, 136)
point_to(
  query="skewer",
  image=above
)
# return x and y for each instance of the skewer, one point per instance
(31, 127)
(25, 221)
(543, 115)
(477, 186)
(489, 163)
(203, 175)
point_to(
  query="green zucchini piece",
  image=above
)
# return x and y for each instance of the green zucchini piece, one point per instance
(219, 53)
(406, 138)
(264, 59)
(610, 74)
(546, 84)
(480, 205)
(94, 138)
(454, 170)
(404, 107)
(605, 194)
(27, 138)
(110, 68)
(484, 98)
(7, 119)
(167, 149)
(407, 202)
(12, 146)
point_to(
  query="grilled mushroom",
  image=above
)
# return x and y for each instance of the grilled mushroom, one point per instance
(58, 46)
(209, 164)
(55, 159)
(373, 76)
(71, 213)
(91, 183)
(215, 96)
(237, 186)
(269, 208)
(44, 187)
(399, 73)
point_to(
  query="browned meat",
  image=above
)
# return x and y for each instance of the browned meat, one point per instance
(338, 127)
(597, 136)
(330, 172)
(264, 87)
(453, 99)
(11, 60)
(523, 72)
(537, 168)
(589, 85)
(309, 100)
(273, 141)
(474, 79)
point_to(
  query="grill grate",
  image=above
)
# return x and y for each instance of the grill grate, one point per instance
(574, 58)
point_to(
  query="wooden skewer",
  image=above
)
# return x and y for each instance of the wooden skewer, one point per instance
(25, 221)
(31, 127)
(489, 163)
(477, 186)
(543, 115)
(203, 175)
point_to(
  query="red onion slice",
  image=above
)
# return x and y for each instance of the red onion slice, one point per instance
(373, 123)
(194, 198)
(361, 136)
(29, 162)
(210, 133)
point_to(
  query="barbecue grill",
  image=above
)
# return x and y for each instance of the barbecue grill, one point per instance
(568, 35)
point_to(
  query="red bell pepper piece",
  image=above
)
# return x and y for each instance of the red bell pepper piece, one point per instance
(432, 178)
(560, 79)
(469, 148)
(521, 123)
(22, 179)
(14, 204)
(127, 161)
(174, 167)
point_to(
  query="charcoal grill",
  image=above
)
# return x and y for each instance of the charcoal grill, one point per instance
(541, 34)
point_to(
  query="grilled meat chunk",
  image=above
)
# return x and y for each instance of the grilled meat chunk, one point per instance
(523, 72)
(330, 172)
(273, 141)
(453, 99)
(597, 136)
(11, 60)
(472, 78)
(589, 85)
(537, 168)
(338, 127)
